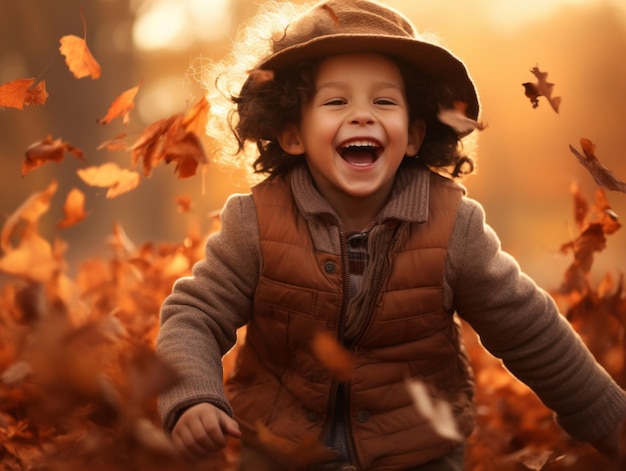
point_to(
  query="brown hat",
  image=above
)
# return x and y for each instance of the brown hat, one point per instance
(346, 26)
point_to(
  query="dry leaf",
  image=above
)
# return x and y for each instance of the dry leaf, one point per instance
(20, 92)
(78, 57)
(47, 150)
(334, 357)
(111, 176)
(121, 106)
(601, 175)
(115, 144)
(73, 209)
(183, 203)
(541, 88)
(457, 119)
(437, 411)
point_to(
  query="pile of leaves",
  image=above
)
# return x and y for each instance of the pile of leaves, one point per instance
(79, 375)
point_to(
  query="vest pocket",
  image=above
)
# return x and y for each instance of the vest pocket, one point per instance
(291, 298)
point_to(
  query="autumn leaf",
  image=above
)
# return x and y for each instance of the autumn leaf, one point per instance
(115, 144)
(111, 176)
(78, 56)
(21, 92)
(334, 357)
(541, 88)
(600, 174)
(183, 203)
(436, 411)
(174, 139)
(121, 106)
(457, 119)
(73, 209)
(47, 150)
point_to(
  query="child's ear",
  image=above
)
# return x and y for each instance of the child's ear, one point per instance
(417, 130)
(289, 140)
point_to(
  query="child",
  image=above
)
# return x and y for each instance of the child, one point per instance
(354, 234)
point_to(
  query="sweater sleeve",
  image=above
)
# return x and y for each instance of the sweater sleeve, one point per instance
(519, 323)
(200, 318)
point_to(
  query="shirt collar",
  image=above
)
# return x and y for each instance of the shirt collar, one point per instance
(408, 200)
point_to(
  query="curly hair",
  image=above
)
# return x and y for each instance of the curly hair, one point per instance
(265, 106)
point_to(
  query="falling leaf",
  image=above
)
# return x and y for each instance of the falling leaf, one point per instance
(111, 176)
(78, 56)
(20, 92)
(47, 150)
(601, 175)
(457, 119)
(28, 213)
(541, 88)
(73, 209)
(438, 412)
(115, 144)
(121, 106)
(174, 139)
(183, 203)
(333, 356)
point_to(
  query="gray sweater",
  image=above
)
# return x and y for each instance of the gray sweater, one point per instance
(515, 319)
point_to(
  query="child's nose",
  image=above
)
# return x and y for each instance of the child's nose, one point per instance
(361, 114)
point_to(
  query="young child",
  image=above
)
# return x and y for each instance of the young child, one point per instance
(356, 233)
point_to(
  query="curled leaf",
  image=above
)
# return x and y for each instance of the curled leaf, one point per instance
(121, 106)
(457, 119)
(601, 175)
(47, 150)
(73, 209)
(541, 88)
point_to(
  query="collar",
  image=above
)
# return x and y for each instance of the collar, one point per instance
(408, 200)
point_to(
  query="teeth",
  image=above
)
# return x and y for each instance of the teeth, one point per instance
(363, 143)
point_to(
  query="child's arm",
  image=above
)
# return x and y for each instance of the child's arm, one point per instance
(202, 429)
(520, 323)
(200, 318)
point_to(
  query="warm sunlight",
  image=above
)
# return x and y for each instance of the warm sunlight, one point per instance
(171, 24)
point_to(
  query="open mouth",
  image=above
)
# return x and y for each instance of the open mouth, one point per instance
(360, 153)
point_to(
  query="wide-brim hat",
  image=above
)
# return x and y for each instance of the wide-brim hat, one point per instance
(349, 26)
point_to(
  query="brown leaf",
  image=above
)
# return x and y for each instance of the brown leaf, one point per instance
(541, 88)
(601, 175)
(333, 356)
(111, 176)
(20, 92)
(73, 209)
(47, 150)
(436, 411)
(121, 106)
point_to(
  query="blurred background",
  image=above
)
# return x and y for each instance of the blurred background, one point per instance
(525, 167)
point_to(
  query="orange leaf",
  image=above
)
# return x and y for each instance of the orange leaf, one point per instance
(47, 151)
(78, 57)
(114, 144)
(29, 213)
(20, 92)
(600, 174)
(121, 106)
(332, 355)
(184, 203)
(111, 176)
(74, 208)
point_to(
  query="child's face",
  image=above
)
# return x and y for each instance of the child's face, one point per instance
(355, 130)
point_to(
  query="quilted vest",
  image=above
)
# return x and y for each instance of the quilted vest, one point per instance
(283, 396)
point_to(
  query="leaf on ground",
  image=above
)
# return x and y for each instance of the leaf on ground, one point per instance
(110, 175)
(73, 209)
(600, 174)
(47, 150)
(337, 359)
(541, 88)
(21, 92)
(438, 412)
(121, 106)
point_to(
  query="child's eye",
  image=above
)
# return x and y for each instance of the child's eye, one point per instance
(335, 102)
(384, 101)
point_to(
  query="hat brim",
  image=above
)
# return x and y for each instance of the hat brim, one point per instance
(427, 58)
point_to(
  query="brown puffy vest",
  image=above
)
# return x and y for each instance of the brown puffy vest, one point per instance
(282, 394)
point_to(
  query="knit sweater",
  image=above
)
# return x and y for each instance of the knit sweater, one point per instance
(515, 319)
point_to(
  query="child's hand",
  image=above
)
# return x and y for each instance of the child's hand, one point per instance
(202, 429)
